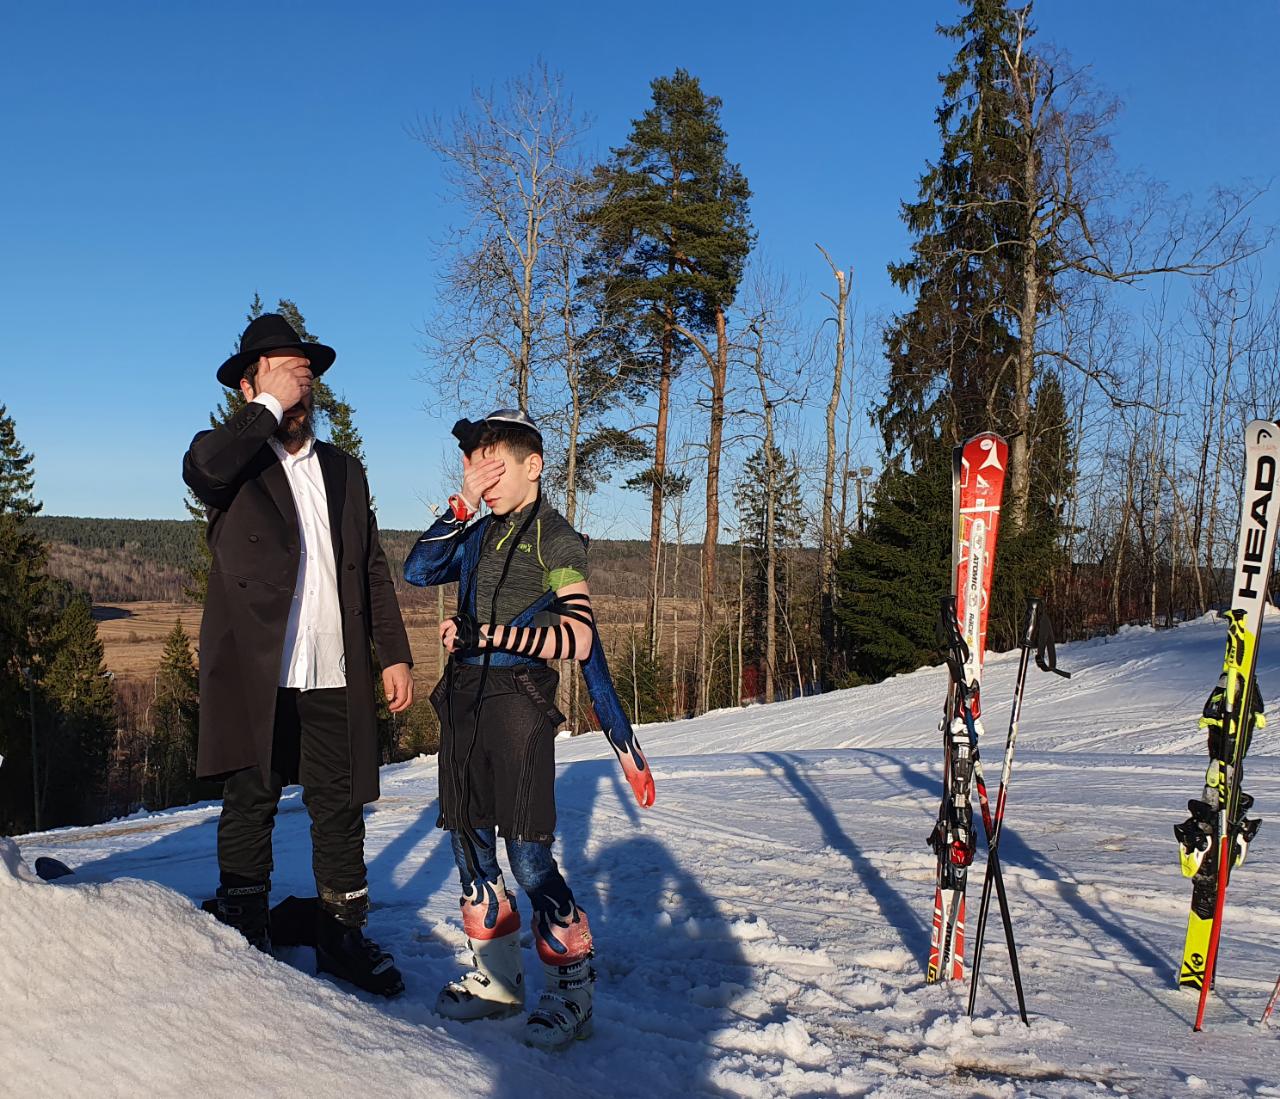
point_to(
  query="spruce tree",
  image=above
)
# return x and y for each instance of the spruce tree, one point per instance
(951, 375)
(79, 722)
(949, 354)
(893, 573)
(17, 472)
(765, 468)
(335, 417)
(175, 724)
(643, 683)
(24, 621)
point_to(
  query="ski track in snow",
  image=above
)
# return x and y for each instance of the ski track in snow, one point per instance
(760, 932)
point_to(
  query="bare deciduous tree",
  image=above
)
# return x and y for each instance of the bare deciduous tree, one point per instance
(830, 546)
(510, 165)
(1071, 234)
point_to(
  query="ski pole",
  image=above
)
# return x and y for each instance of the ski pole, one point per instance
(994, 869)
(993, 841)
(1271, 1003)
(956, 652)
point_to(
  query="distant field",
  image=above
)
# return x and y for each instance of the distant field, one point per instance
(137, 572)
(133, 633)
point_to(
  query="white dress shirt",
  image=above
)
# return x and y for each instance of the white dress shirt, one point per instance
(313, 654)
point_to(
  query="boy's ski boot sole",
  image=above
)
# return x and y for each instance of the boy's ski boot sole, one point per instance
(552, 1039)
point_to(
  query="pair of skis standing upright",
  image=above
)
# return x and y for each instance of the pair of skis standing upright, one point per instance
(977, 488)
(1213, 840)
(1216, 836)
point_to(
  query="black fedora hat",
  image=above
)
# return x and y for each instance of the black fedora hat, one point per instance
(267, 333)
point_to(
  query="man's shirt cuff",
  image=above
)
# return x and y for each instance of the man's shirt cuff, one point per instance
(277, 409)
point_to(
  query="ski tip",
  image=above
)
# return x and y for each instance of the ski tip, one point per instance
(48, 869)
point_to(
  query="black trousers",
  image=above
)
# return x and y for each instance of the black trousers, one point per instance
(498, 752)
(310, 746)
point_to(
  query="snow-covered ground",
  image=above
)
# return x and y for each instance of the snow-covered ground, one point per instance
(761, 931)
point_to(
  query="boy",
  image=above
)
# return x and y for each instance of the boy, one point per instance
(522, 600)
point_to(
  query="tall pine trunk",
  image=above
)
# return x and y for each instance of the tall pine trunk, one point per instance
(657, 499)
(719, 374)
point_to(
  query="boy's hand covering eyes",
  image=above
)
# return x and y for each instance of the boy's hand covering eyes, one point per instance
(479, 475)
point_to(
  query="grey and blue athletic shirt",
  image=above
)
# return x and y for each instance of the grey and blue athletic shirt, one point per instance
(551, 555)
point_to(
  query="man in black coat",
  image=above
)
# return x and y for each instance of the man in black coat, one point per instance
(299, 599)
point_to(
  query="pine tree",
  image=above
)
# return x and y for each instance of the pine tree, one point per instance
(672, 236)
(24, 618)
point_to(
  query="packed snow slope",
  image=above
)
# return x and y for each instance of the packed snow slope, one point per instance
(760, 932)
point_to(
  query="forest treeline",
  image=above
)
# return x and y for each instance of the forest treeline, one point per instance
(134, 560)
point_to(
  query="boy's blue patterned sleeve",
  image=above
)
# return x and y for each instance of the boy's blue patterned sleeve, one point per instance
(436, 557)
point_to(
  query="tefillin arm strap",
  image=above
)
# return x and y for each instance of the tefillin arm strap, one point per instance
(556, 642)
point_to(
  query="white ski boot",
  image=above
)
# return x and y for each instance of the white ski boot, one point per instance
(563, 1014)
(494, 989)
(564, 1011)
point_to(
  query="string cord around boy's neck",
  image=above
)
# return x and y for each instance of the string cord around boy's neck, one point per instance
(470, 838)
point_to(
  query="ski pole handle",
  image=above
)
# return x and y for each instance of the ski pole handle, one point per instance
(1032, 620)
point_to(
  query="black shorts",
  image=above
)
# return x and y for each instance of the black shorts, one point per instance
(504, 746)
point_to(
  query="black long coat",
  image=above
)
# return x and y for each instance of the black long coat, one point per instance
(254, 538)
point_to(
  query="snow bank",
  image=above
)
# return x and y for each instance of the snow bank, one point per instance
(128, 989)
(760, 932)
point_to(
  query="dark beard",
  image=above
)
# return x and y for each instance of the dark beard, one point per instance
(294, 435)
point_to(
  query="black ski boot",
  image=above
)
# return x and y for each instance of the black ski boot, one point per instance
(1195, 836)
(245, 905)
(343, 950)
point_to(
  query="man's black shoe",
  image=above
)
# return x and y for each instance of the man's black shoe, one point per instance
(347, 954)
(246, 906)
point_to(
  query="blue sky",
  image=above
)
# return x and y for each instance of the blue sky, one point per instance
(163, 161)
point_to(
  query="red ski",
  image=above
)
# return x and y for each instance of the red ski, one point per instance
(977, 488)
